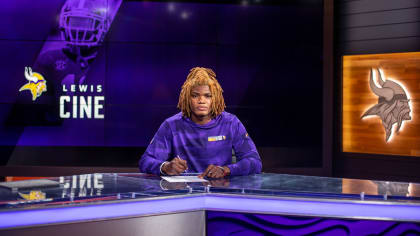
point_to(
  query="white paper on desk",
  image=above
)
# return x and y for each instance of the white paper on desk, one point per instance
(183, 179)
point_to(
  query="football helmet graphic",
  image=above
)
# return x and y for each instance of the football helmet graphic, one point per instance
(84, 22)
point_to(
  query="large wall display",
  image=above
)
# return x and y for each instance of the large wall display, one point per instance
(106, 73)
(381, 104)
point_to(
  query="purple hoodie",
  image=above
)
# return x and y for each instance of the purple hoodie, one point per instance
(202, 145)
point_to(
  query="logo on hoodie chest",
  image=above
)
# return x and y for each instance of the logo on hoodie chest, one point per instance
(216, 138)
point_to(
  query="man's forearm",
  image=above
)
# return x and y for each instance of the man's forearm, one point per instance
(246, 166)
(149, 165)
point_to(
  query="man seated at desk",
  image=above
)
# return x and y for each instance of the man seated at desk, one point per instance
(201, 137)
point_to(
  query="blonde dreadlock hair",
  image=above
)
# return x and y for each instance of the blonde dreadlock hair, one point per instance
(201, 76)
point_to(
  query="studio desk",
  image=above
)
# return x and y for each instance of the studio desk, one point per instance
(274, 204)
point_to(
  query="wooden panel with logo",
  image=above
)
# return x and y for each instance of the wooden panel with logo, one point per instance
(381, 104)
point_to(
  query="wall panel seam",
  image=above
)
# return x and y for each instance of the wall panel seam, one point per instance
(378, 39)
(367, 26)
(368, 12)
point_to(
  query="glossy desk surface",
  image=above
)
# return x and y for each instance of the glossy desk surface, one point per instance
(101, 196)
(108, 187)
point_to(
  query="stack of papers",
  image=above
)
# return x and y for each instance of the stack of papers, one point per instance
(183, 179)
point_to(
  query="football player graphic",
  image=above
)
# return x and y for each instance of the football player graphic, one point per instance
(82, 25)
(66, 58)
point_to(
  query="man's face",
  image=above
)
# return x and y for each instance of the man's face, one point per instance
(201, 101)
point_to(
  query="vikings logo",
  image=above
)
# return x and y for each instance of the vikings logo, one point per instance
(33, 195)
(393, 103)
(37, 84)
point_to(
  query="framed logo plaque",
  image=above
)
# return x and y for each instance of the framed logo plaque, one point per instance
(381, 104)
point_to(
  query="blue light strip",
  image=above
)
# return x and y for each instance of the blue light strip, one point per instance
(341, 209)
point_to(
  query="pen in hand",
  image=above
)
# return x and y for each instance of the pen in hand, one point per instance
(183, 163)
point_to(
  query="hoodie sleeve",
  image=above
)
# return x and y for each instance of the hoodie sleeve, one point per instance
(248, 159)
(158, 151)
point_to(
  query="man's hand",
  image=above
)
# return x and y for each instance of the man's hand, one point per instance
(175, 167)
(213, 171)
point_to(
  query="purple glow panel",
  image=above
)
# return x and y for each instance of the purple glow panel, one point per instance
(227, 223)
(337, 209)
(362, 210)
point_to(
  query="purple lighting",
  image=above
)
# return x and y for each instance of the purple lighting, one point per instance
(214, 202)
(342, 209)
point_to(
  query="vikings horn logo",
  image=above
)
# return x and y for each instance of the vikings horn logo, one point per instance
(37, 84)
(393, 103)
(33, 195)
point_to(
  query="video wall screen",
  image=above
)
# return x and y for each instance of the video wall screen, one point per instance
(107, 73)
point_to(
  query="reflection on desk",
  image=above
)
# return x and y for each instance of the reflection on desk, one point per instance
(113, 196)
